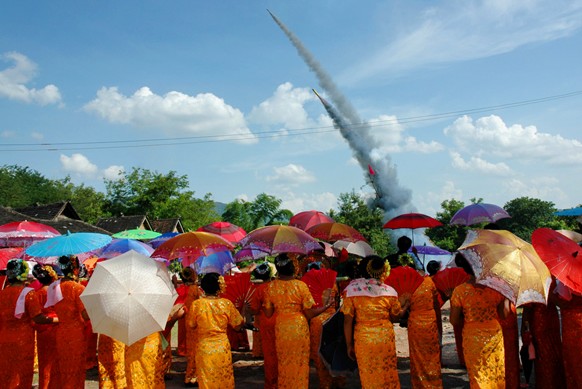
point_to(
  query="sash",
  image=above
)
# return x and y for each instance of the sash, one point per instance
(21, 302)
(369, 288)
(54, 294)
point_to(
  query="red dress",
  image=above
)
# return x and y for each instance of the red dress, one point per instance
(45, 341)
(266, 327)
(571, 340)
(511, 346)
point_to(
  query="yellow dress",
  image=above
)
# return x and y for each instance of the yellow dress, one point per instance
(482, 335)
(210, 317)
(289, 299)
(111, 363)
(190, 375)
(145, 364)
(374, 341)
(423, 338)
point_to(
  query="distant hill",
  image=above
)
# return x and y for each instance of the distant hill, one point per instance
(219, 207)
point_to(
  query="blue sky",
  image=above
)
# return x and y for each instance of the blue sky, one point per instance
(459, 99)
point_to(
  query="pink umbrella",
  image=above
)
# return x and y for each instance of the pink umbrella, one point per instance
(24, 233)
(280, 239)
(307, 219)
(228, 231)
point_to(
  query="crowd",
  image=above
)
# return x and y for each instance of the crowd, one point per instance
(45, 317)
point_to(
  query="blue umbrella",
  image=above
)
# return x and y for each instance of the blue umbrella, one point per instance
(120, 246)
(570, 212)
(219, 262)
(69, 244)
(162, 238)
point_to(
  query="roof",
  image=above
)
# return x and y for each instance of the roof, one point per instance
(50, 211)
(167, 225)
(124, 223)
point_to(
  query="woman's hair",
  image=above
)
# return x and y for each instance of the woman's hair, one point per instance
(17, 270)
(44, 274)
(69, 266)
(462, 262)
(210, 283)
(374, 266)
(284, 265)
(432, 267)
(262, 272)
(314, 266)
(187, 274)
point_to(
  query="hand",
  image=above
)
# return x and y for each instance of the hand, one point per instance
(351, 352)
(326, 298)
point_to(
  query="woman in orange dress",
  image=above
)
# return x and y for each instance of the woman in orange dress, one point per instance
(45, 333)
(111, 363)
(18, 307)
(478, 307)
(423, 337)
(190, 280)
(265, 324)
(210, 316)
(511, 345)
(291, 302)
(70, 346)
(571, 311)
(373, 306)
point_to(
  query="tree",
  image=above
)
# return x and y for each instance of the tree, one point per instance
(22, 187)
(448, 237)
(238, 213)
(264, 210)
(354, 212)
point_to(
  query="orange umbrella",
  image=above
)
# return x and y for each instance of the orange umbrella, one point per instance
(332, 232)
(191, 245)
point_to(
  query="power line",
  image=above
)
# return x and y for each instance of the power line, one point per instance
(195, 139)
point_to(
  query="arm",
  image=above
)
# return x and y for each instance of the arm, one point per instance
(404, 306)
(310, 313)
(349, 335)
(85, 315)
(503, 308)
(456, 316)
(269, 310)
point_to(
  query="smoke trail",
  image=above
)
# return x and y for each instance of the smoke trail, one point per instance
(392, 198)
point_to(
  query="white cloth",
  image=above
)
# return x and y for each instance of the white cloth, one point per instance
(370, 288)
(54, 294)
(21, 303)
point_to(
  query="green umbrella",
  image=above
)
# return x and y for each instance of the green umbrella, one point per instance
(137, 233)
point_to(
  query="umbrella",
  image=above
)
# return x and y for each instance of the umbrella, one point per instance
(219, 262)
(6, 254)
(156, 242)
(69, 244)
(569, 212)
(137, 233)
(191, 245)
(332, 232)
(359, 248)
(333, 349)
(120, 246)
(250, 253)
(429, 250)
(228, 231)
(412, 221)
(562, 256)
(129, 297)
(508, 264)
(575, 236)
(307, 219)
(479, 213)
(280, 239)
(23, 233)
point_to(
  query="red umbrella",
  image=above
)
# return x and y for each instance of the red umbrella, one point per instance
(562, 256)
(24, 233)
(412, 220)
(6, 254)
(307, 219)
(280, 239)
(332, 232)
(191, 245)
(228, 231)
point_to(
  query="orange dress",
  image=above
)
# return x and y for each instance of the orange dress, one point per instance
(266, 327)
(211, 317)
(423, 337)
(289, 299)
(16, 339)
(374, 340)
(511, 346)
(45, 341)
(144, 363)
(192, 294)
(70, 347)
(482, 335)
(571, 338)
(111, 363)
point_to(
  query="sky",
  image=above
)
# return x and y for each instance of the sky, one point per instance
(443, 99)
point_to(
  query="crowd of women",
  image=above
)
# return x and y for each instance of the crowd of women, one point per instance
(48, 313)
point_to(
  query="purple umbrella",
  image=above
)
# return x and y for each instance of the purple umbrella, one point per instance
(120, 246)
(478, 213)
(430, 250)
(156, 242)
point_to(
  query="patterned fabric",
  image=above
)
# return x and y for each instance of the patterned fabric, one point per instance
(289, 299)
(211, 317)
(511, 346)
(369, 287)
(374, 341)
(70, 346)
(482, 336)
(423, 337)
(111, 363)
(45, 341)
(16, 339)
(144, 363)
(192, 295)
(266, 327)
(571, 335)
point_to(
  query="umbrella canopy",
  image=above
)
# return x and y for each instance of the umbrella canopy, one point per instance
(129, 297)
(156, 242)
(137, 233)
(508, 264)
(69, 244)
(24, 233)
(219, 262)
(412, 220)
(332, 232)
(191, 245)
(120, 246)
(570, 212)
(6, 254)
(250, 253)
(562, 256)
(280, 239)
(575, 236)
(359, 248)
(478, 213)
(429, 250)
(307, 219)
(228, 231)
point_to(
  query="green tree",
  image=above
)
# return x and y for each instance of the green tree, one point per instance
(353, 211)
(22, 187)
(448, 237)
(238, 213)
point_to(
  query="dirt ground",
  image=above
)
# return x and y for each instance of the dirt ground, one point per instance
(248, 371)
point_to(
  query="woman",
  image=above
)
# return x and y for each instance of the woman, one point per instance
(190, 280)
(45, 333)
(510, 331)
(17, 307)
(423, 337)
(291, 302)
(373, 306)
(265, 324)
(70, 346)
(570, 305)
(210, 316)
(478, 307)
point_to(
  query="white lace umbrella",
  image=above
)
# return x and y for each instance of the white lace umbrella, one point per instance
(129, 297)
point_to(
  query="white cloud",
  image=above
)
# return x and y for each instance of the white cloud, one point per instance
(298, 202)
(14, 80)
(291, 175)
(79, 165)
(37, 135)
(285, 107)
(542, 187)
(491, 136)
(113, 172)
(430, 203)
(7, 134)
(476, 164)
(461, 31)
(203, 115)
(390, 138)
